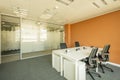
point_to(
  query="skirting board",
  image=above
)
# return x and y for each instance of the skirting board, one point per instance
(34, 56)
(118, 65)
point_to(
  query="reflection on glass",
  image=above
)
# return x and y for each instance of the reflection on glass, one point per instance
(17, 35)
(10, 35)
(43, 34)
(10, 38)
(40, 37)
(29, 34)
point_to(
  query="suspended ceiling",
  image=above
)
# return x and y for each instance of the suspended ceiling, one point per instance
(78, 10)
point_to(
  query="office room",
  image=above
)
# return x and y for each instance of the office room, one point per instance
(59, 39)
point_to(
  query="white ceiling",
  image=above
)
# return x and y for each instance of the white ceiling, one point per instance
(77, 11)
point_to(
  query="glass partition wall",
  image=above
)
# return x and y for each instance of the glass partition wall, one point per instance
(10, 38)
(28, 38)
(40, 38)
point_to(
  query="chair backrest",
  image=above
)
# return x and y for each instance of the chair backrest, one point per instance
(106, 48)
(63, 45)
(104, 52)
(77, 44)
(92, 56)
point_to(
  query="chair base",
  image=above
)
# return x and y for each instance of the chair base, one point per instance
(101, 66)
(90, 73)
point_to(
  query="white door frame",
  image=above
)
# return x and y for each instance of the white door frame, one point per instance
(0, 38)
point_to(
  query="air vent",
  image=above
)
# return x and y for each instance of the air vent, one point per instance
(96, 5)
(65, 2)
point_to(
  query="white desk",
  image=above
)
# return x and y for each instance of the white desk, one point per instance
(71, 55)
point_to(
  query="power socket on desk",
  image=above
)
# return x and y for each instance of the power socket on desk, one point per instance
(77, 49)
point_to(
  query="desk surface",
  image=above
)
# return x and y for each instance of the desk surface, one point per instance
(72, 54)
(75, 54)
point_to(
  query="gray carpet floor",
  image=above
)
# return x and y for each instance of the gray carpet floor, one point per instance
(40, 68)
(108, 75)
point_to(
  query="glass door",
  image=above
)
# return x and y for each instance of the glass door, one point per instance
(10, 38)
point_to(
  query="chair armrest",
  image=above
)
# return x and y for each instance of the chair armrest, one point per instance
(84, 60)
(102, 55)
(95, 59)
(106, 54)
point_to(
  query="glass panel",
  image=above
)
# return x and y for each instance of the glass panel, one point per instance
(38, 38)
(10, 38)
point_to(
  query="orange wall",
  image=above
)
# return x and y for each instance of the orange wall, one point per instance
(98, 32)
(68, 35)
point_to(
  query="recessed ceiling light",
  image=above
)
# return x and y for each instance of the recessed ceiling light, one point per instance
(56, 7)
(38, 22)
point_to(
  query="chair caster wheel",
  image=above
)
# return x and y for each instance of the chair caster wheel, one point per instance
(112, 71)
(99, 76)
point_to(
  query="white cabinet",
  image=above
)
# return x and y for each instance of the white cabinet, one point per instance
(69, 70)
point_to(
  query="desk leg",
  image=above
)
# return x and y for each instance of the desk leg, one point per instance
(76, 70)
(53, 60)
(97, 67)
(61, 65)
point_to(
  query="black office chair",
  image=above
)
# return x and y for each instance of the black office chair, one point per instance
(63, 45)
(77, 44)
(91, 63)
(104, 57)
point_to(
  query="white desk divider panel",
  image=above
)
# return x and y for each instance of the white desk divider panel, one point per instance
(69, 70)
(81, 71)
(56, 59)
(57, 62)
